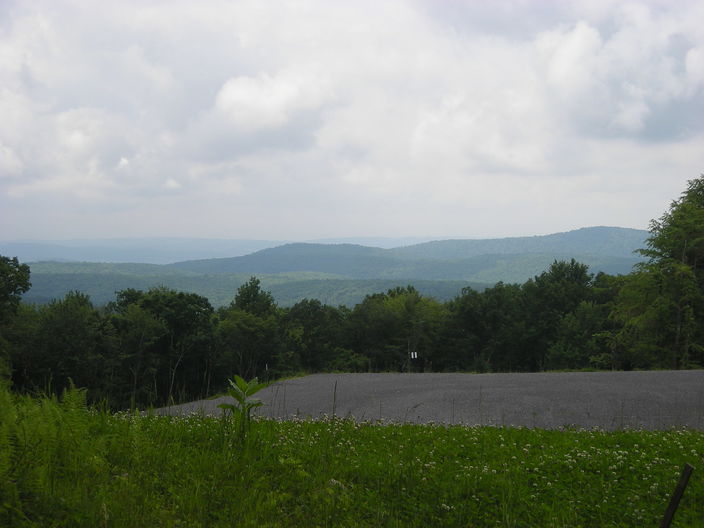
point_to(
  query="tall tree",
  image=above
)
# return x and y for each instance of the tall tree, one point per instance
(313, 332)
(375, 332)
(181, 355)
(14, 281)
(139, 332)
(248, 344)
(579, 338)
(249, 334)
(486, 330)
(420, 320)
(661, 305)
(679, 234)
(386, 327)
(21, 335)
(73, 340)
(252, 299)
(549, 297)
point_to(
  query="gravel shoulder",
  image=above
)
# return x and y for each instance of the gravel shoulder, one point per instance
(652, 400)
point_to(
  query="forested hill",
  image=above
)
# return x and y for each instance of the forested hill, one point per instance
(343, 259)
(607, 249)
(53, 280)
(596, 241)
(345, 273)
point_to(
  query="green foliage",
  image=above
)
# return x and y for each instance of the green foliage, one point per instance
(372, 328)
(579, 337)
(252, 299)
(242, 391)
(345, 360)
(139, 332)
(14, 281)
(486, 331)
(661, 306)
(679, 233)
(52, 280)
(64, 464)
(67, 338)
(247, 343)
(548, 298)
(313, 331)
(188, 339)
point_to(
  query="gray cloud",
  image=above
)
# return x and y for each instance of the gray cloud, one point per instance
(314, 119)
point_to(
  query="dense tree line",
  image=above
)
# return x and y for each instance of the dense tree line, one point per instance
(161, 345)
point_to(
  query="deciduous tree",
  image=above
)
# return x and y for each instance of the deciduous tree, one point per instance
(661, 305)
(14, 281)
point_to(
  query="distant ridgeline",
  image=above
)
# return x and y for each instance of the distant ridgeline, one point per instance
(335, 274)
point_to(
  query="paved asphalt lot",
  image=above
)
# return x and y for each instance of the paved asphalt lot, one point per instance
(608, 400)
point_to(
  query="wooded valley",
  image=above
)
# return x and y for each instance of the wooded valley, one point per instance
(161, 345)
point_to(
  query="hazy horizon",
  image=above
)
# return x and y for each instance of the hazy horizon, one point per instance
(293, 240)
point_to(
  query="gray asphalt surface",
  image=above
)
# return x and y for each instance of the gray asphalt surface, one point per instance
(609, 400)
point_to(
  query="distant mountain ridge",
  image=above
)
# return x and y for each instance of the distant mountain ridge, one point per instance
(164, 250)
(605, 241)
(344, 273)
(597, 241)
(608, 249)
(346, 259)
(135, 250)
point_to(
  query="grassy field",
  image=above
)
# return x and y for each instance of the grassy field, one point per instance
(63, 464)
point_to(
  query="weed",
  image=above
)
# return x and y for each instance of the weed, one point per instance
(241, 391)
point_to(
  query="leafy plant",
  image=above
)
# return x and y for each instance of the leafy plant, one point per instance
(241, 391)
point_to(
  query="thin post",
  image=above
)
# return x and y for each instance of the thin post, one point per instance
(334, 399)
(676, 496)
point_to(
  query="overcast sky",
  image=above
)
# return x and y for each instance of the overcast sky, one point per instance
(310, 119)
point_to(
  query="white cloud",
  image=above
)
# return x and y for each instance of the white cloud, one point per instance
(10, 164)
(330, 118)
(172, 184)
(695, 68)
(265, 101)
(571, 60)
(616, 78)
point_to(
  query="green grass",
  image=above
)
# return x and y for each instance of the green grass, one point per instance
(64, 465)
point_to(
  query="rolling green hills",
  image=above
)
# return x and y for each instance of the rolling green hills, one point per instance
(344, 259)
(605, 249)
(344, 273)
(596, 241)
(51, 280)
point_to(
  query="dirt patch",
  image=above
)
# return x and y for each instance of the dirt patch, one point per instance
(609, 400)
